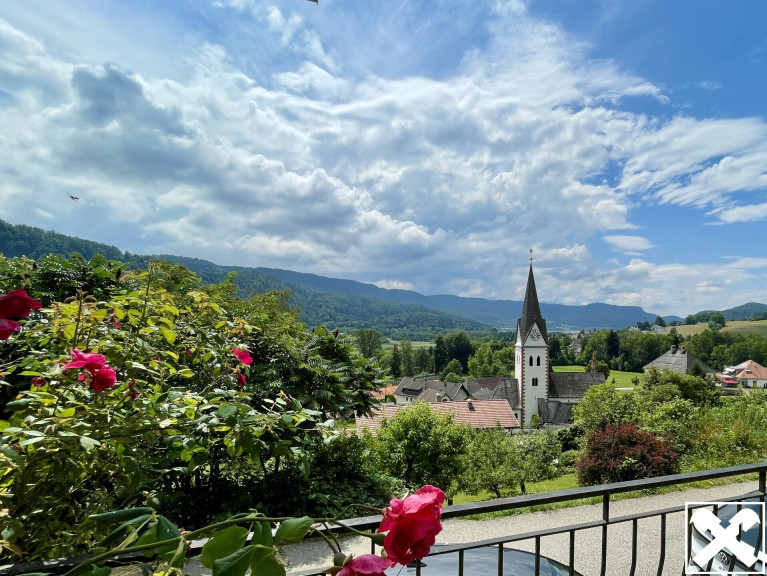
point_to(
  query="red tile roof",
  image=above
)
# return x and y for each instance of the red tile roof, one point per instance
(750, 370)
(476, 413)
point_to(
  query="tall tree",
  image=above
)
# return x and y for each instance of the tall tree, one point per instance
(408, 359)
(395, 365)
(459, 347)
(440, 353)
(368, 342)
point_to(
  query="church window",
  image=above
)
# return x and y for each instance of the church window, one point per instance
(535, 381)
(538, 362)
(531, 360)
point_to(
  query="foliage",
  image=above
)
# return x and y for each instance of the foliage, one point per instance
(368, 342)
(453, 367)
(189, 405)
(492, 464)
(624, 452)
(421, 446)
(602, 405)
(488, 362)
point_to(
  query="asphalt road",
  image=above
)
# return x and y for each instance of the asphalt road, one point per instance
(587, 543)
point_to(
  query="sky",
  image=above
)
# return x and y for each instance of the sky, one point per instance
(424, 145)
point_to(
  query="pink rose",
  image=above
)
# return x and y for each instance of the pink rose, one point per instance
(366, 565)
(102, 379)
(241, 380)
(96, 373)
(17, 304)
(38, 382)
(89, 362)
(8, 327)
(412, 525)
(243, 356)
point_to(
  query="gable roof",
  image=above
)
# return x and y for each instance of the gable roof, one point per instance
(750, 370)
(531, 311)
(495, 388)
(476, 413)
(572, 384)
(678, 360)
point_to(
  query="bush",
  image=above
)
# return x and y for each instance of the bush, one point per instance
(624, 452)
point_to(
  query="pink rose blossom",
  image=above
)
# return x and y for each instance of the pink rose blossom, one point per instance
(8, 327)
(241, 380)
(102, 379)
(38, 382)
(366, 565)
(412, 524)
(243, 356)
(89, 362)
(17, 304)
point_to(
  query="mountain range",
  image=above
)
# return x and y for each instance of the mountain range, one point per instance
(351, 305)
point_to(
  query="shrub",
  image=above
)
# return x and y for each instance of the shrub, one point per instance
(624, 452)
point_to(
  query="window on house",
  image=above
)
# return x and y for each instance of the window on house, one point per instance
(538, 362)
(535, 381)
(531, 360)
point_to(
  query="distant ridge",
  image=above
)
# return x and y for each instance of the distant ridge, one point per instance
(352, 305)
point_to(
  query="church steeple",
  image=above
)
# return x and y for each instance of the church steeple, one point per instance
(531, 310)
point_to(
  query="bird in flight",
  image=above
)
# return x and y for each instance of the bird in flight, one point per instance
(75, 198)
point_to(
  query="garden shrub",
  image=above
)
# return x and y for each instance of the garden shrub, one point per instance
(624, 452)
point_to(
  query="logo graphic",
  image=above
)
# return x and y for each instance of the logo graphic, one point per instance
(726, 542)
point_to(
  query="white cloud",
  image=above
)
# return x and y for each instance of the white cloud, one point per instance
(629, 243)
(442, 181)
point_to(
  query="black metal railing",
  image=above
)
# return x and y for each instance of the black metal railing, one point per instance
(605, 493)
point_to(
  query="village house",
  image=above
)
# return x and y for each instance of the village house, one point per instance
(478, 414)
(678, 359)
(748, 374)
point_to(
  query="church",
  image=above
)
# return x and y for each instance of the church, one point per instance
(550, 395)
(535, 388)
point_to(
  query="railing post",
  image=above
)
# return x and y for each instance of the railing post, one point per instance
(662, 544)
(606, 519)
(500, 559)
(762, 475)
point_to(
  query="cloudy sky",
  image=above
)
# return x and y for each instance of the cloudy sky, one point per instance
(412, 144)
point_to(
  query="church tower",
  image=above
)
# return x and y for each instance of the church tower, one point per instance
(531, 361)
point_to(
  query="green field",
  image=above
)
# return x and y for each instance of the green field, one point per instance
(622, 379)
(741, 326)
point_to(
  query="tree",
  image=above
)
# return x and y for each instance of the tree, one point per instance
(481, 362)
(424, 360)
(408, 360)
(492, 464)
(395, 365)
(440, 353)
(717, 321)
(453, 367)
(659, 321)
(459, 347)
(602, 405)
(421, 446)
(368, 342)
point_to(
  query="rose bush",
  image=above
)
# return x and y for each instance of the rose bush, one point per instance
(153, 391)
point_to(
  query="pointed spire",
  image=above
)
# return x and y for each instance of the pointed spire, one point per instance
(531, 310)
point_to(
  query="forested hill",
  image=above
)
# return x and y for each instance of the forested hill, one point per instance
(346, 304)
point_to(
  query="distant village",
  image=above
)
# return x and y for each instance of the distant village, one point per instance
(536, 395)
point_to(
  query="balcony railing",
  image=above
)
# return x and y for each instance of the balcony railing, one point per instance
(581, 533)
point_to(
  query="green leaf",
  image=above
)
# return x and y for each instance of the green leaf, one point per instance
(32, 440)
(100, 570)
(235, 564)
(66, 413)
(265, 563)
(19, 404)
(30, 373)
(169, 335)
(117, 532)
(293, 530)
(226, 410)
(223, 543)
(186, 373)
(89, 443)
(120, 515)
(165, 531)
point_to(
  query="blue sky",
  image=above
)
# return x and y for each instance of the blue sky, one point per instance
(412, 144)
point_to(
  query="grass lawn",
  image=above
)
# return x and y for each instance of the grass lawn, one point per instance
(622, 379)
(562, 483)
